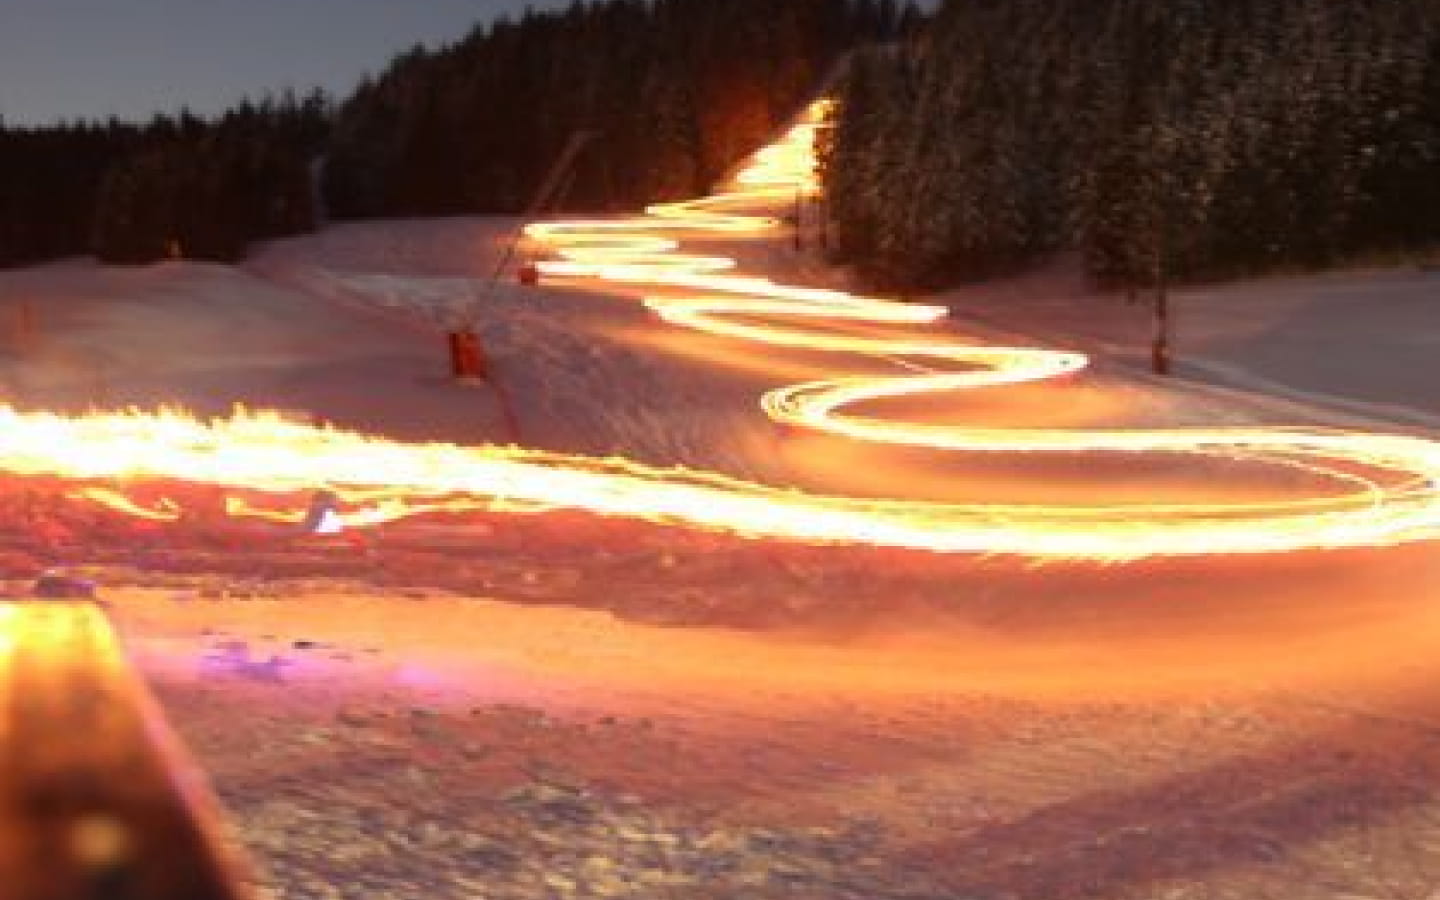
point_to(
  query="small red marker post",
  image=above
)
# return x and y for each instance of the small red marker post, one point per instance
(467, 361)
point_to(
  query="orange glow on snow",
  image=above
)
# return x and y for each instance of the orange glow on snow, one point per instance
(1390, 484)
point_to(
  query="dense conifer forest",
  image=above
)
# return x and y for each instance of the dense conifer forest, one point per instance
(177, 186)
(1185, 139)
(672, 93)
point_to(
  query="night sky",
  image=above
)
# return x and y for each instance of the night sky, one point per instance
(63, 59)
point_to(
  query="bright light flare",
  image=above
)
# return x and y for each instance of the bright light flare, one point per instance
(390, 480)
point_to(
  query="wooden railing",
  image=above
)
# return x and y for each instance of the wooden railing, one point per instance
(98, 801)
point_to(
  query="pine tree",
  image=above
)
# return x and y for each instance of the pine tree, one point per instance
(1202, 138)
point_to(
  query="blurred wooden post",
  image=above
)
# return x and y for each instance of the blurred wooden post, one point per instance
(1160, 347)
(799, 219)
(97, 799)
(822, 216)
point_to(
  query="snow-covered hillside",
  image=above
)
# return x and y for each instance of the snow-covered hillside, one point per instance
(1361, 345)
(581, 371)
(347, 325)
(912, 698)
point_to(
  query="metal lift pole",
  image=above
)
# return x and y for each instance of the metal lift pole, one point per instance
(547, 192)
(467, 359)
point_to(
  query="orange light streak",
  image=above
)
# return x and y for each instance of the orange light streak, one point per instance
(1391, 483)
(638, 252)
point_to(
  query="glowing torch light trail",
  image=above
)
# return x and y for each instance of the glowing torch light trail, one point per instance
(1387, 486)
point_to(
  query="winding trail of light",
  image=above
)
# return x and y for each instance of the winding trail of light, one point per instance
(1399, 500)
(1386, 484)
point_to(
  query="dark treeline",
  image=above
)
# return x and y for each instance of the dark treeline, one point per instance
(177, 186)
(674, 92)
(1190, 138)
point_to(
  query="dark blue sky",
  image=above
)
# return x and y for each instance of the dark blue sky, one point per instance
(91, 58)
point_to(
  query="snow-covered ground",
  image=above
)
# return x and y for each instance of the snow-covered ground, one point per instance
(548, 710)
(348, 326)
(575, 366)
(1362, 345)
(206, 337)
